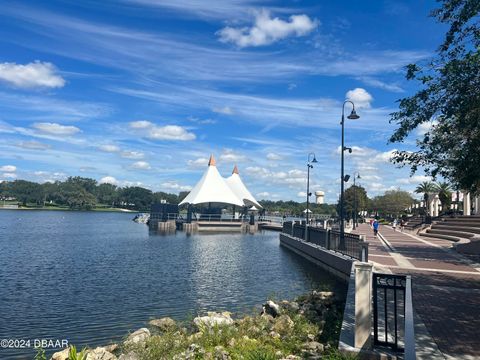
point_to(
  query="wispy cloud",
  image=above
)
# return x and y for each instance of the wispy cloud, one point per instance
(56, 129)
(167, 132)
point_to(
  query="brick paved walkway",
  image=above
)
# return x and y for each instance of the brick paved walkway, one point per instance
(446, 286)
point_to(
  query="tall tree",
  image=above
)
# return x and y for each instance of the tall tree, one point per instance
(392, 203)
(354, 195)
(448, 100)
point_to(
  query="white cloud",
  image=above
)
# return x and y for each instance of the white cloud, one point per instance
(141, 124)
(360, 97)
(292, 178)
(34, 145)
(127, 154)
(9, 175)
(426, 127)
(109, 148)
(31, 75)
(302, 194)
(274, 157)
(141, 165)
(226, 110)
(167, 132)
(414, 180)
(264, 194)
(228, 155)
(197, 163)
(381, 84)
(56, 129)
(108, 180)
(8, 168)
(170, 185)
(267, 30)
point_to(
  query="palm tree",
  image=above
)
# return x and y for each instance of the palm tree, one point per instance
(425, 188)
(444, 191)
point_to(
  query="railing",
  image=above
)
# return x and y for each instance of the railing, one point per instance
(355, 246)
(393, 313)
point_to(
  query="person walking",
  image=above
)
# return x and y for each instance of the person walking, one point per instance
(394, 224)
(402, 225)
(375, 227)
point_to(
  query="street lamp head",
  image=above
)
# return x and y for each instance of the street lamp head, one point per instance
(353, 115)
(346, 178)
(358, 176)
(314, 160)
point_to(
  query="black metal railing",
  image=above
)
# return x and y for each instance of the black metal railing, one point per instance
(355, 246)
(393, 313)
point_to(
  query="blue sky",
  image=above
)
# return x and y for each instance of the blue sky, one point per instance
(143, 91)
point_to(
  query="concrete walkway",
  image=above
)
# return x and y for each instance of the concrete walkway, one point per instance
(446, 286)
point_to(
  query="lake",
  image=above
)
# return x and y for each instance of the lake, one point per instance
(92, 277)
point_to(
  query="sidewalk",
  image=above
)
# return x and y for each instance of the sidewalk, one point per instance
(446, 287)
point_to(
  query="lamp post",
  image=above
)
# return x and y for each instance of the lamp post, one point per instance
(309, 166)
(357, 176)
(353, 116)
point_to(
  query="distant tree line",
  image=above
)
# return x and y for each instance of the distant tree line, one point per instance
(81, 193)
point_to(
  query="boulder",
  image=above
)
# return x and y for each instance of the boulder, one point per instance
(283, 324)
(129, 356)
(291, 306)
(213, 319)
(164, 324)
(111, 348)
(61, 355)
(312, 350)
(100, 353)
(137, 337)
(271, 308)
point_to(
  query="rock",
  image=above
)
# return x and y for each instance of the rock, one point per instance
(271, 308)
(111, 348)
(221, 354)
(274, 334)
(291, 306)
(212, 319)
(129, 356)
(61, 355)
(100, 353)
(268, 317)
(164, 324)
(194, 351)
(283, 324)
(312, 349)
(310, 337)
(137, 337)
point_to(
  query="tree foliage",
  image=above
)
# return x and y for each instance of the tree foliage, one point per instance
(392, 203)
(81, 193)
(354, 194)
(448, 100)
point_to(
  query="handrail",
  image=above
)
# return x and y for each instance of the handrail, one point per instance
(410, 353)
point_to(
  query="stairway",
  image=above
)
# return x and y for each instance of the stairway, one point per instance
(464, 231)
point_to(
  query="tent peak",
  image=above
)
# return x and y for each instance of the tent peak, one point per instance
(235, 170)
(212, 161)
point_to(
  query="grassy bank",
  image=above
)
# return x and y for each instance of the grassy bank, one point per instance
(307, 328)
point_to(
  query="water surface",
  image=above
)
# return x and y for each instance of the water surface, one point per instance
(92, 277)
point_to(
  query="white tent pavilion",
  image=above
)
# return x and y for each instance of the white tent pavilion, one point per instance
(237, 186)
(307, 210)
(212, 188)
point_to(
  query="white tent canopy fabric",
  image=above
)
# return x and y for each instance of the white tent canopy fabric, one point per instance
(213, 188)
(237, 186)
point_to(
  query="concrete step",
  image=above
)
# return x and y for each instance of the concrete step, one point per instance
(463, 234)
(444, 237)
(460, 222)
(453, 227)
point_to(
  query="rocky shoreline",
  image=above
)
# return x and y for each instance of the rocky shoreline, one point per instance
(306, 328)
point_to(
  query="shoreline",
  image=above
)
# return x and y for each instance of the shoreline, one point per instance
(119, 210)
(307, 327)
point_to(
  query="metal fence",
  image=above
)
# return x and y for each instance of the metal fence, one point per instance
(393, 313)
(354, 246)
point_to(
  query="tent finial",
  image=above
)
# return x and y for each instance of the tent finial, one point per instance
(212, 161)
(235, 170)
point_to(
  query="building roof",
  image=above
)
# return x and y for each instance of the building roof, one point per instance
(239, 188)
(212, 187)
